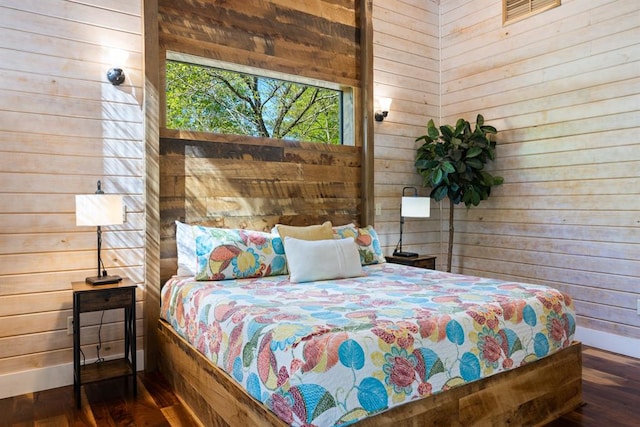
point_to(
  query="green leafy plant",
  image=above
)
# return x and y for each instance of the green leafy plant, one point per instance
(451, 161)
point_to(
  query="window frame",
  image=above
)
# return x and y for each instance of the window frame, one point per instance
(347, 104)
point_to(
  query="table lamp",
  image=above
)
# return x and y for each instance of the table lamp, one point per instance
(99, 210)
(411, 207)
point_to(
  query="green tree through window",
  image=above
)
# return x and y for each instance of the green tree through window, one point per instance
(208, 99)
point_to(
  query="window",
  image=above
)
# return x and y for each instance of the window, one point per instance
(231, 99)
(514, 10)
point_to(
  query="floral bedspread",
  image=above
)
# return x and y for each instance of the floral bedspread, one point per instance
(334, 352)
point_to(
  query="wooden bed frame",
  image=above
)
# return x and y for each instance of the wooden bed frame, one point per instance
(534, 394)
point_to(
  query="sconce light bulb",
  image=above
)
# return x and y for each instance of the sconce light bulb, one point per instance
(115, 76)
(383, 105)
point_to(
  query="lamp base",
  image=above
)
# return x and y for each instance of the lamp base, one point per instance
(405, 254)
(102, 280)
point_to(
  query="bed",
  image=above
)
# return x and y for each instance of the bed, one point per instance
(386, 345)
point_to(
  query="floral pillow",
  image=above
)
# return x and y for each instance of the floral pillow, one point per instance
(367, 241)
(235, 253)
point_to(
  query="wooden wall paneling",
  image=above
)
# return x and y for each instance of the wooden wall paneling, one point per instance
(63, 127)
(123, 17)
(558, 260)
(50, 348)
(69, 22)
(25, 264)
(560, 223)
(563, 95)
(153, 119)
(67, 145)
(364, 121)
(250, 33)
(256, 182)
(172, 204)
(111, 336)
(499, 235)
(618, 329)
(236, 182)
(405, 69)
(12, 365)
(33, 322)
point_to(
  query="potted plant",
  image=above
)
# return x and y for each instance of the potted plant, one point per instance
(451, 161)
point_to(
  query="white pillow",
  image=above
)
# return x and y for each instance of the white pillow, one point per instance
(186, 243)
(311, 260)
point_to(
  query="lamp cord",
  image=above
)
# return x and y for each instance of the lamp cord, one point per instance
(99, 346)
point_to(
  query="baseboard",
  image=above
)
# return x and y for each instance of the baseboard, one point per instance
(18, 383)
(610, 342)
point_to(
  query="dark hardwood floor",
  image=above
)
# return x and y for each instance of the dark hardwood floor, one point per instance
(611, 392)
(106, 403)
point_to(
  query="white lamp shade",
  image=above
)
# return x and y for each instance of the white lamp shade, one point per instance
(415, 207)
(98, 209)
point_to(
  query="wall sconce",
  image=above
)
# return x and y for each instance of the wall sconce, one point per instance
(411, 207)
(384, 104)
(115, 76)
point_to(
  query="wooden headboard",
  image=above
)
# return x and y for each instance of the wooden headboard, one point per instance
(232, 181)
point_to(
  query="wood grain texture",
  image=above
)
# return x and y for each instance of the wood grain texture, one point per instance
(205, 387)
(152, 122)
(255, 183)
(250, 32)
(364, 123)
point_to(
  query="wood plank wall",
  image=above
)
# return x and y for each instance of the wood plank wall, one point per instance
(406, 69)
(62, 128)
(254, 183)
(244, 182)
(318, 39)
(564, 91)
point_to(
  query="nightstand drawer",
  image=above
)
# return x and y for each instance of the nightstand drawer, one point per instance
(429, 263)
(105, 299)
(423, 261)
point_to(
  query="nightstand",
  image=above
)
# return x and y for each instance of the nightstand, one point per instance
(422, 261)
(88, 298)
